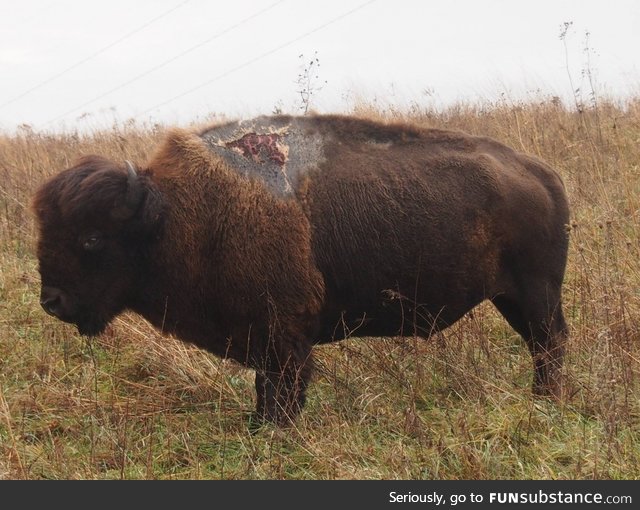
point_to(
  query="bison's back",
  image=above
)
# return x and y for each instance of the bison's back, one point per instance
(410, 227)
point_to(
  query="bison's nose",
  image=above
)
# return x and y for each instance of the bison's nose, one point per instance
(53, 301)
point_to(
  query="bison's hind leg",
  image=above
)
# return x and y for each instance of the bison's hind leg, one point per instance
(536, 314)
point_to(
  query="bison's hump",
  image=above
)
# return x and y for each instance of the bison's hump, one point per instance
(277, 150)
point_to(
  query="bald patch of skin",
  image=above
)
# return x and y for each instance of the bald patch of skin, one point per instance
(278, 151)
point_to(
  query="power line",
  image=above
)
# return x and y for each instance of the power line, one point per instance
(167, 62)
(93, 55)
(255, 59)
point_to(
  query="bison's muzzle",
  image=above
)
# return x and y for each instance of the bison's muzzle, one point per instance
(63, 306)
(58, 304)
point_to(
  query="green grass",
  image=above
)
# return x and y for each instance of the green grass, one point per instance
(133, 404)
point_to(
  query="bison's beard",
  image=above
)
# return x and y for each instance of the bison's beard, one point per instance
(93, 317)
(91, 326)
(91, 322)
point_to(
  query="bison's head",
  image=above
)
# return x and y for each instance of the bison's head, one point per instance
(96, 222)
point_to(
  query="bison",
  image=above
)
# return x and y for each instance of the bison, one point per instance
(257, 239)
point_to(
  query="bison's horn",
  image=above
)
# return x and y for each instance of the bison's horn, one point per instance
(131, 200)
(131, 170)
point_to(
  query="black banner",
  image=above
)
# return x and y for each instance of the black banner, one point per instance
(329, 495)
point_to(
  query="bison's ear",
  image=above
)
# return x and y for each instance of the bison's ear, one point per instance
(151, 215)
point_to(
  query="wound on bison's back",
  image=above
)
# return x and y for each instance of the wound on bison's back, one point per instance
(253, 146)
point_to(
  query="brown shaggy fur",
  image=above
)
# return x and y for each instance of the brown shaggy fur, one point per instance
(393, 230)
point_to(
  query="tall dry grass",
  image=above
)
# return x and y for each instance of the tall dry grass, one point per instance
(133, 404)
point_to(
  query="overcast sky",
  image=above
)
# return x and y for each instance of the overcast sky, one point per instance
(76, 64)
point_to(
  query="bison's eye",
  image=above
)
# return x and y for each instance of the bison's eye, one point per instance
(92, 241)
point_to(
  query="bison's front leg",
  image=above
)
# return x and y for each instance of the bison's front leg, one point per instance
(281, 382)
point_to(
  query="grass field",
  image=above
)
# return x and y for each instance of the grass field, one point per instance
(133, 404)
